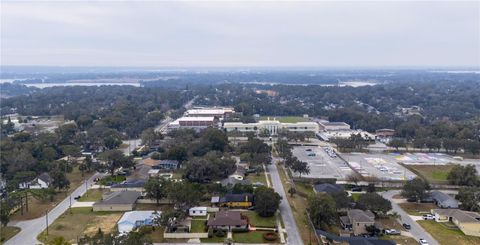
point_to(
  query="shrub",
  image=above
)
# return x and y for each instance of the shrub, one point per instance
(220, 233)
(270, 236)
(210, 232)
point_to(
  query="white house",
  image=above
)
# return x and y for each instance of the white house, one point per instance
(41, 182)
(134, 219)
(198, 211)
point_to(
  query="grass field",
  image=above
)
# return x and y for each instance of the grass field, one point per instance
(81, 221)
(286, 119)
(417, 209)
(8, 232)
(355, 196)
(433, 173)
(92, 195)
(255, 220)
(400, 240)
(251, 237)
(445, 235)
(198, 226)
(41, 206)
(260, 177)
(111, 179)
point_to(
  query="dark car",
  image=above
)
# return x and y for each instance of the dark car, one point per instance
(407, 226)
(77, 197)
(357, 189)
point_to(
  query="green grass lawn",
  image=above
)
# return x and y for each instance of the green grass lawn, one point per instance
(256, 220)
(213, 239)
(198, 226)
(8, 232)
(111, 179)
(92, 195)
(251, 237)
(305, 188)
(79, 222)
(260, 177)
(433, 173)
(417, 209)
(355, 196)
(445, 235)
(291, 119)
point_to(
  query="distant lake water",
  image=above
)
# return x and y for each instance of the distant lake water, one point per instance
(48, 85)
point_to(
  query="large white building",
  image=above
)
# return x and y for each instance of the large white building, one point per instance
(193, 122)
(273, 126)
(219, 112)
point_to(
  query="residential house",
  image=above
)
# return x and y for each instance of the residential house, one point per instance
(134, 219)
(41, 182)
(467, 222)
(236, 200)
(198, 211)
(117, 201)
(443, 200)
(166, 165)
(130, 185)
(228, 220)
(357, 221)
(327, 188)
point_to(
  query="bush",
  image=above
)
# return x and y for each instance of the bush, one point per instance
(220, 233)
(210, 232)
(270, 236)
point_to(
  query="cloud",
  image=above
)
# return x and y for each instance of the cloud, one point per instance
(241, 33)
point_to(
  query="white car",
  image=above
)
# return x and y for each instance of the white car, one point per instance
(423, 241)
(428, 217)
(392, 232)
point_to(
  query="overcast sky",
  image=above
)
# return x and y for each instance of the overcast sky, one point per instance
(240, 33)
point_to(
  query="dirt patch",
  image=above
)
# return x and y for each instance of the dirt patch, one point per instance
(107, 223)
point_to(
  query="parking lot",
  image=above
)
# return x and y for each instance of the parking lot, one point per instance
(381, 166)
(323, 163)
(434, 159)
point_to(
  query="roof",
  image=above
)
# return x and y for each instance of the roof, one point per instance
(355, 240)
(120, 197)
(209, 111)
(442, 197)
(237, 198)
(460, 215)
(334, 124)
(233, 181)
(227, 218)
(45, 177)
(357, 215)
(150, 162)
(130, 184)
(134, 216)
(191, 119)
(328, 188)
(215, 199)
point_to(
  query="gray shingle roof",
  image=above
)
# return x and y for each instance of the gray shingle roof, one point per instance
(227, 218)
(328, 188)
(357, 215)
(120, 197)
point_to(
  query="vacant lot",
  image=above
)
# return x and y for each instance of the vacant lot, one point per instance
(251, 237)
(286, 119)
(8, 232)
(418, 209)
(92, 195)
(446, 235)
(255, 220)
(80, 222)
(433, 173)
(400, 240)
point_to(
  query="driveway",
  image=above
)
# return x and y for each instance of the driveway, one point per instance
(288, 220)
(416, 231)
(31, 228)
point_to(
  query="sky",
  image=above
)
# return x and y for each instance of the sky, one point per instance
(182, 33)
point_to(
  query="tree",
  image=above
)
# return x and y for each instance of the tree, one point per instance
(116, 159)
(322, 210)
(472, 146)
(149, 136)
(156, 188)
(300, 167)
(415, 189)
(184, 194)
(5, 210)
(396, 143)
(342, 200)
(59, 240)
(176, 152)
(267, 201)
(469, 198)
(463, 175)
(292, 191)
(60, 180)
(374, 202)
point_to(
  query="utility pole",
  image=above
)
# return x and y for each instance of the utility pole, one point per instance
(46, 216)
(70, 208)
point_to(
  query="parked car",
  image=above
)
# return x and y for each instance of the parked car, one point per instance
(357, 189)
(308, 150)
(423, 241)
(77, 197)
(407, 226)
(428, 217)
(311, 154)
(392, 232)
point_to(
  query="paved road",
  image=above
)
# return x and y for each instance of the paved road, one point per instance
(31, 228)
(287, 215)
(416, 231)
